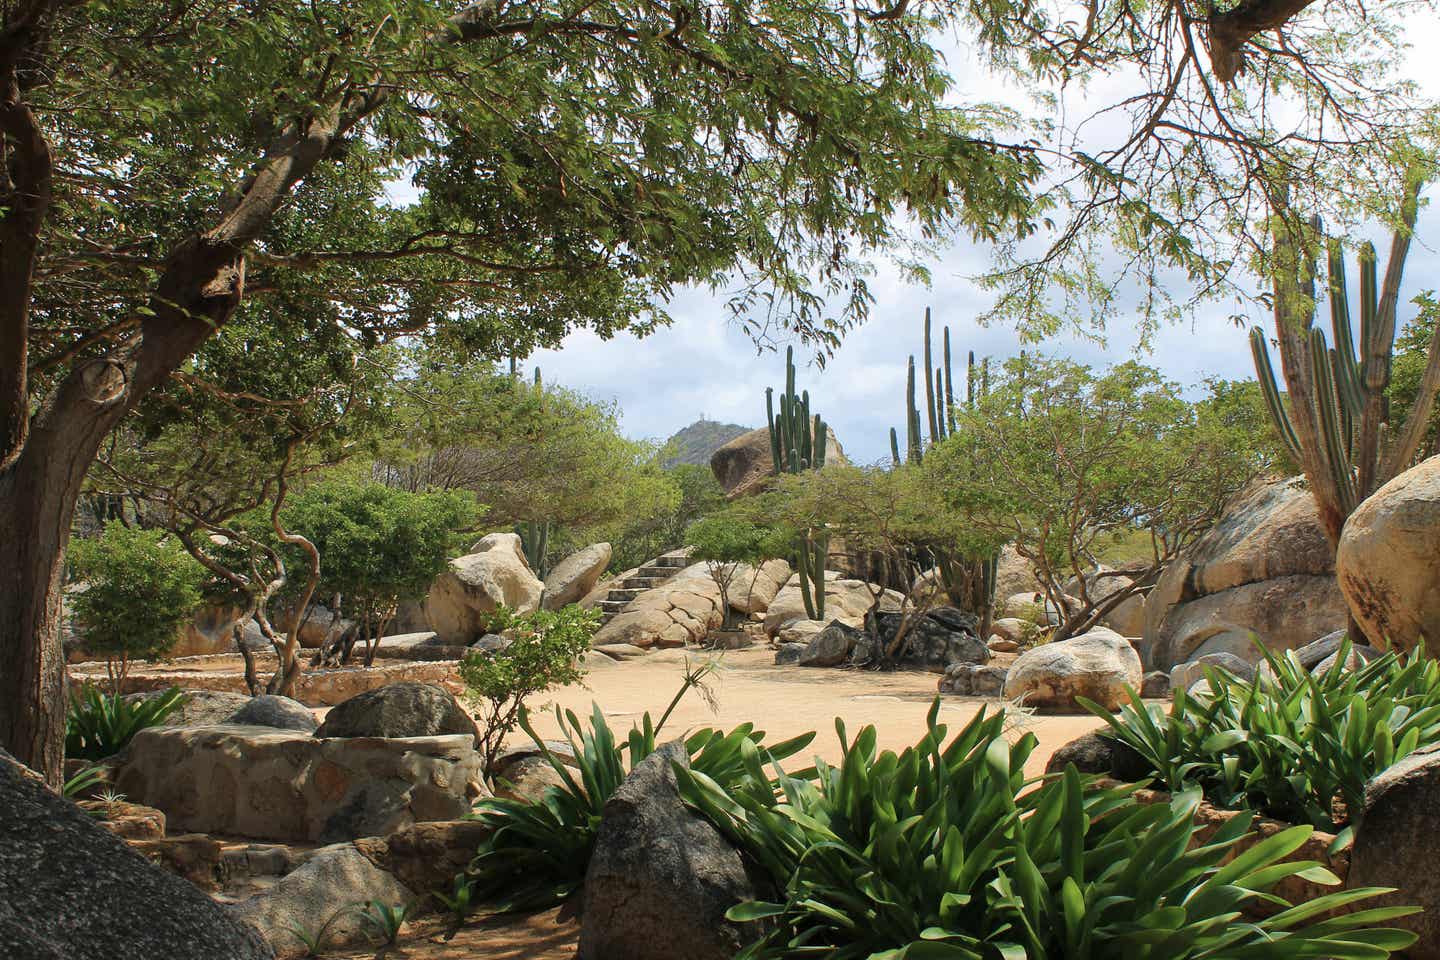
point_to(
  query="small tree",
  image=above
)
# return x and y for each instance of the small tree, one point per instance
(726, 542)
(140, 588)
(544, 651)
(1064, 463)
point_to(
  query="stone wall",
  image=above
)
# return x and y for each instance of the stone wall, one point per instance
(314, 688)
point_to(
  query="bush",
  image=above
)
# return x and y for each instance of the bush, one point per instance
(1290, 744)
(140, 588)
(945, 851)
(725, 542)
(540, 850)
(544, 652)
(99, 725)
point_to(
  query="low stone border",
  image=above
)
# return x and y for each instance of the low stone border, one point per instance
(314, 688)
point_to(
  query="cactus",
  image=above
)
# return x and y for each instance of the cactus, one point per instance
(939, 413)
(798, 442)
(1337, 422)
(535, 542)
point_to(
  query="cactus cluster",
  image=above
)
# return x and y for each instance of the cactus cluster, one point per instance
(797, 440)
(797, 443)
(939, 412)
(1336, 422)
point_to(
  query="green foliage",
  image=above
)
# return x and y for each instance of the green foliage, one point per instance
(460, 901)
(539, 851)
(946, 850)
(1062, 461)
(725, 541)
(1290, 744)
(1411, 359)
(84, 778)
(140, 588)
(662, 529)
(386, 920)
(99, 725)
(312, 941)
(797, 446)
(544, 652)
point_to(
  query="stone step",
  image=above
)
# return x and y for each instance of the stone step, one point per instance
(613, 606)
(641, 583)
(621, 594)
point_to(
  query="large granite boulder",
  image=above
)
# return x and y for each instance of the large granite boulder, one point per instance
(322, 893)
(71, 890)
(681, 610)
(940, 637)
(1397, 844)
(210, 631)
(846, 600)
(973, 680)
(1096, 665)
(744, 465)
(286, 785)
(272, 711)
(575, 576)
(1014, 574)
(1186, 675)
(753, 590)
(399, 710)
(1265, 570)
(200, 707)
(495, 572)
(661, 877)
(1388, 562)
(831, 647)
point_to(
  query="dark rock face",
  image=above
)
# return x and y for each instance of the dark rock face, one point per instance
(789, 652)
(69, 889)
(1096, 753)
(404, 709)
(661, 877)
(272, 711)
(1156, 685)
(830, 647)
(1397, 845)
(934, 641)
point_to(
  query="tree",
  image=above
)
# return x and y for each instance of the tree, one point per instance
(899, 516)
(138, 588)
(1062, 461)
(169, 166)
(379, 547)
(697, 494)
(727, 543)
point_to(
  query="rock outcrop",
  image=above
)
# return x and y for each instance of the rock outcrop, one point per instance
(575, 576)
(1265, 570)
(70, 890)
(399, 710)
(1096, 665)
(846, 600)
(1388, 562)
(495, 572)
(744, 465)
(661, 877)
(287, 785)
(272, 711)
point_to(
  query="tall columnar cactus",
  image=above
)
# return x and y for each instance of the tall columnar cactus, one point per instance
(1336, 421)
(798, 443)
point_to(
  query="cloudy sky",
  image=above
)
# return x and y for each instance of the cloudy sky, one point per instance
(703, 365)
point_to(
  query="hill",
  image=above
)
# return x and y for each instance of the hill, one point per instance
(695, 443)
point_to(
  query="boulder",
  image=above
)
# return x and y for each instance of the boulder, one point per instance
(422, 646)
(475, 585)
(319, 626)
(973, 680)
(999, 644)
(682, 610)
(1156, 685)
(1102, 583)
(845, 600)
(1186, 675)
(399, 710)
(1014, 574)
(789, 653)
(1097, 665)
(1388, 561)
(753, 589)
(799, 631)
(744, 465)
(575, 576)
(620, 651)
(831, 647)
(1397, 844)
(71, 890)
(210, 631)
(1031, 607)
(1265, 569)
(526, 779)
(661, 877)
(321, 893)
(272, 711)
(286, 785)
(1097, 753)
(941, 637)
(1009, 628)
(200, 707)
(132, 821)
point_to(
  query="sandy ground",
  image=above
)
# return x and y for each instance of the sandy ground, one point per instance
(785, 701)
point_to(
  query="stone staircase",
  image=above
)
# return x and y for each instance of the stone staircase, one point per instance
(652, 574)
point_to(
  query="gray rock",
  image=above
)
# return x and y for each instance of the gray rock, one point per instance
(789, 652)
(575, 576)
(973, 680)
(661, 877)
(323, 890)
(1312, 654)
(527, 778)
(1155, 686)
(1098, 665)
(405, 709)
(272, 711)
(831, 646)
(201, 708)
(492, 643)
(1191, 672)
(70, 889)
(1397, 844)
(934, 641)
(374, 808)
(1099, 754)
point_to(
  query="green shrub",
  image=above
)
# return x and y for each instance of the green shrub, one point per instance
(544, 652)
(140, 588)
(540, 850)
(943, 851)
(1291, 743)
(99, 725)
